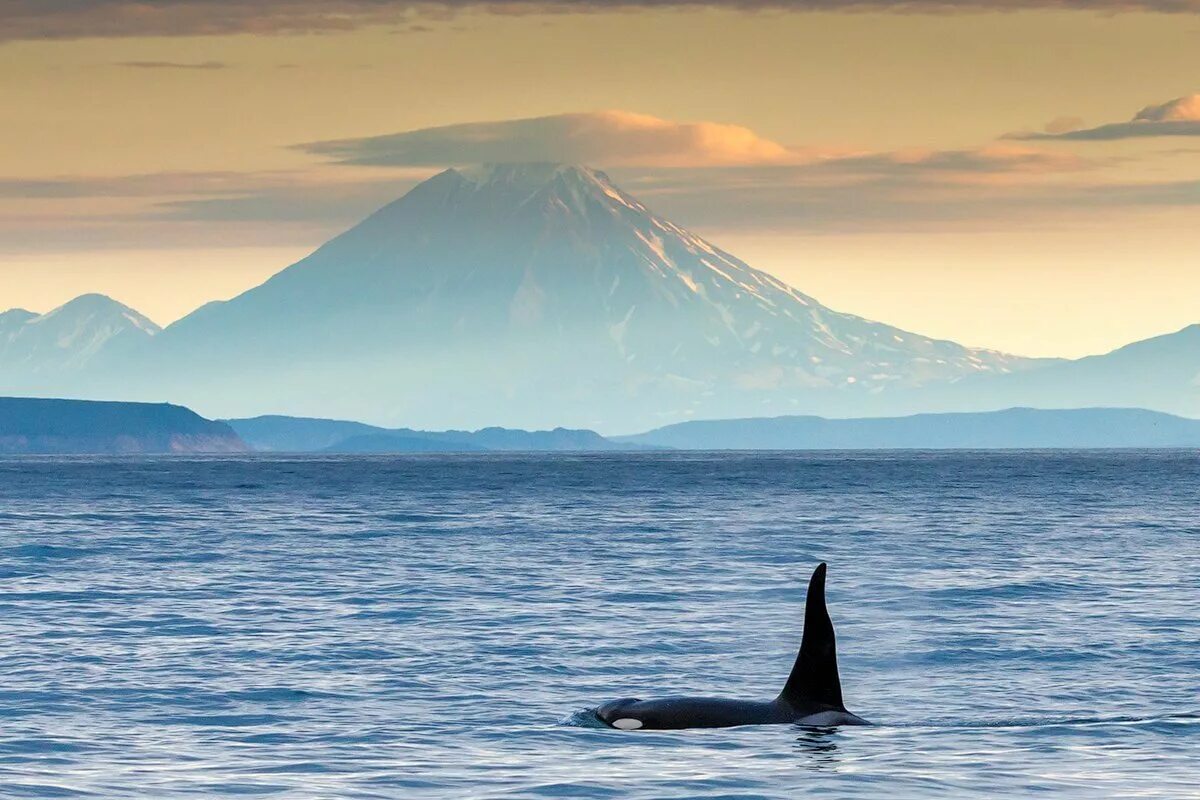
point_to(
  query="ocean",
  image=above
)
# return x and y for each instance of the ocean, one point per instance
(1013, 623)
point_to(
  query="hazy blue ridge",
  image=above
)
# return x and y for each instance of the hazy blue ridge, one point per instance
(400, 443)
(31, 425)
(39, 425)
(556, 439)
(1012, 428)
(284, 434)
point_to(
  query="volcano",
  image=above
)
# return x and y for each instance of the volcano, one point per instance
(530, 295)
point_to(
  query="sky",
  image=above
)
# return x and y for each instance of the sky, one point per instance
(1015, 174)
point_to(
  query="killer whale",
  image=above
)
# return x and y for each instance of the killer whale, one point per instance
(811, 696)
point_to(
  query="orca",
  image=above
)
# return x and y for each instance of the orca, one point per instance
(812, 695)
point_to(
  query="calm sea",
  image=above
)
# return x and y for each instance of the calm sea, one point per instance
(315, 627)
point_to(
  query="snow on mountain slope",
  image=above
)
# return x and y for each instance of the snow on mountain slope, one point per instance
(11, 321)
(535, 250)
(530, 295)
(69, 338)
(523, 295)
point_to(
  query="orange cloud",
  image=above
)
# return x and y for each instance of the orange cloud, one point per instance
(1181, 109)
(724, 175)
(609, 138)
(1178, 117)
(73, 19)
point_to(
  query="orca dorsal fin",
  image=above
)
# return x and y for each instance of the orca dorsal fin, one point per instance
(814, 684)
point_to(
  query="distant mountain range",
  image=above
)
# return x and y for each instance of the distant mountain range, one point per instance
(33, 425)
(305, 435)
(1020, 428)
(72, 427)
(1162, 373)
(1013, 428)
(529, 295)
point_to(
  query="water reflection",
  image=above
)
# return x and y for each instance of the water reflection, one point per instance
(819, 745)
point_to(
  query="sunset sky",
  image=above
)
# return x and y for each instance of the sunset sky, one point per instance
(1014, 174)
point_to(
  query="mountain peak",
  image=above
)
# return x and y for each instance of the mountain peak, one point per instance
(16, 316)
(462, 197)
(513, 184)
(99, 306)
(68, 337)
(533, 175)
(92, 301)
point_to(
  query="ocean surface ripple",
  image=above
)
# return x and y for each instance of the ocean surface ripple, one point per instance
(1015, 623)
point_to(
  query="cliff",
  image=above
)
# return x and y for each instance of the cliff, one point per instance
(35, 425)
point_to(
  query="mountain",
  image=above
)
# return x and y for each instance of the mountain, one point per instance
(524, 295)
(558, 439)
(1161, 373)
(1023, 428)
(13, 320)
(397, 443)
(55, 347)
(29, 425)
(305, 435)
(273, 433)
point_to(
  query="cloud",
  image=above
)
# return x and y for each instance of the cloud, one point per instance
(264, 196)
(936, 191)
(322, 209)
(611, 139)
(840, 198)
(900, 190)
(968, 165)
(73, 19)
(713, 175)
(172, 64)
(1181, 109)
(1178, 117)
(153, 184)
(608, 138)
(182, 209)
(1063, 125)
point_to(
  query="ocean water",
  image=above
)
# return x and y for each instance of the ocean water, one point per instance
(1015, 624)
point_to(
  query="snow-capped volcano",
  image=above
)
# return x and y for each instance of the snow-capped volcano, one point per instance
(68, 339)
(533, 294)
